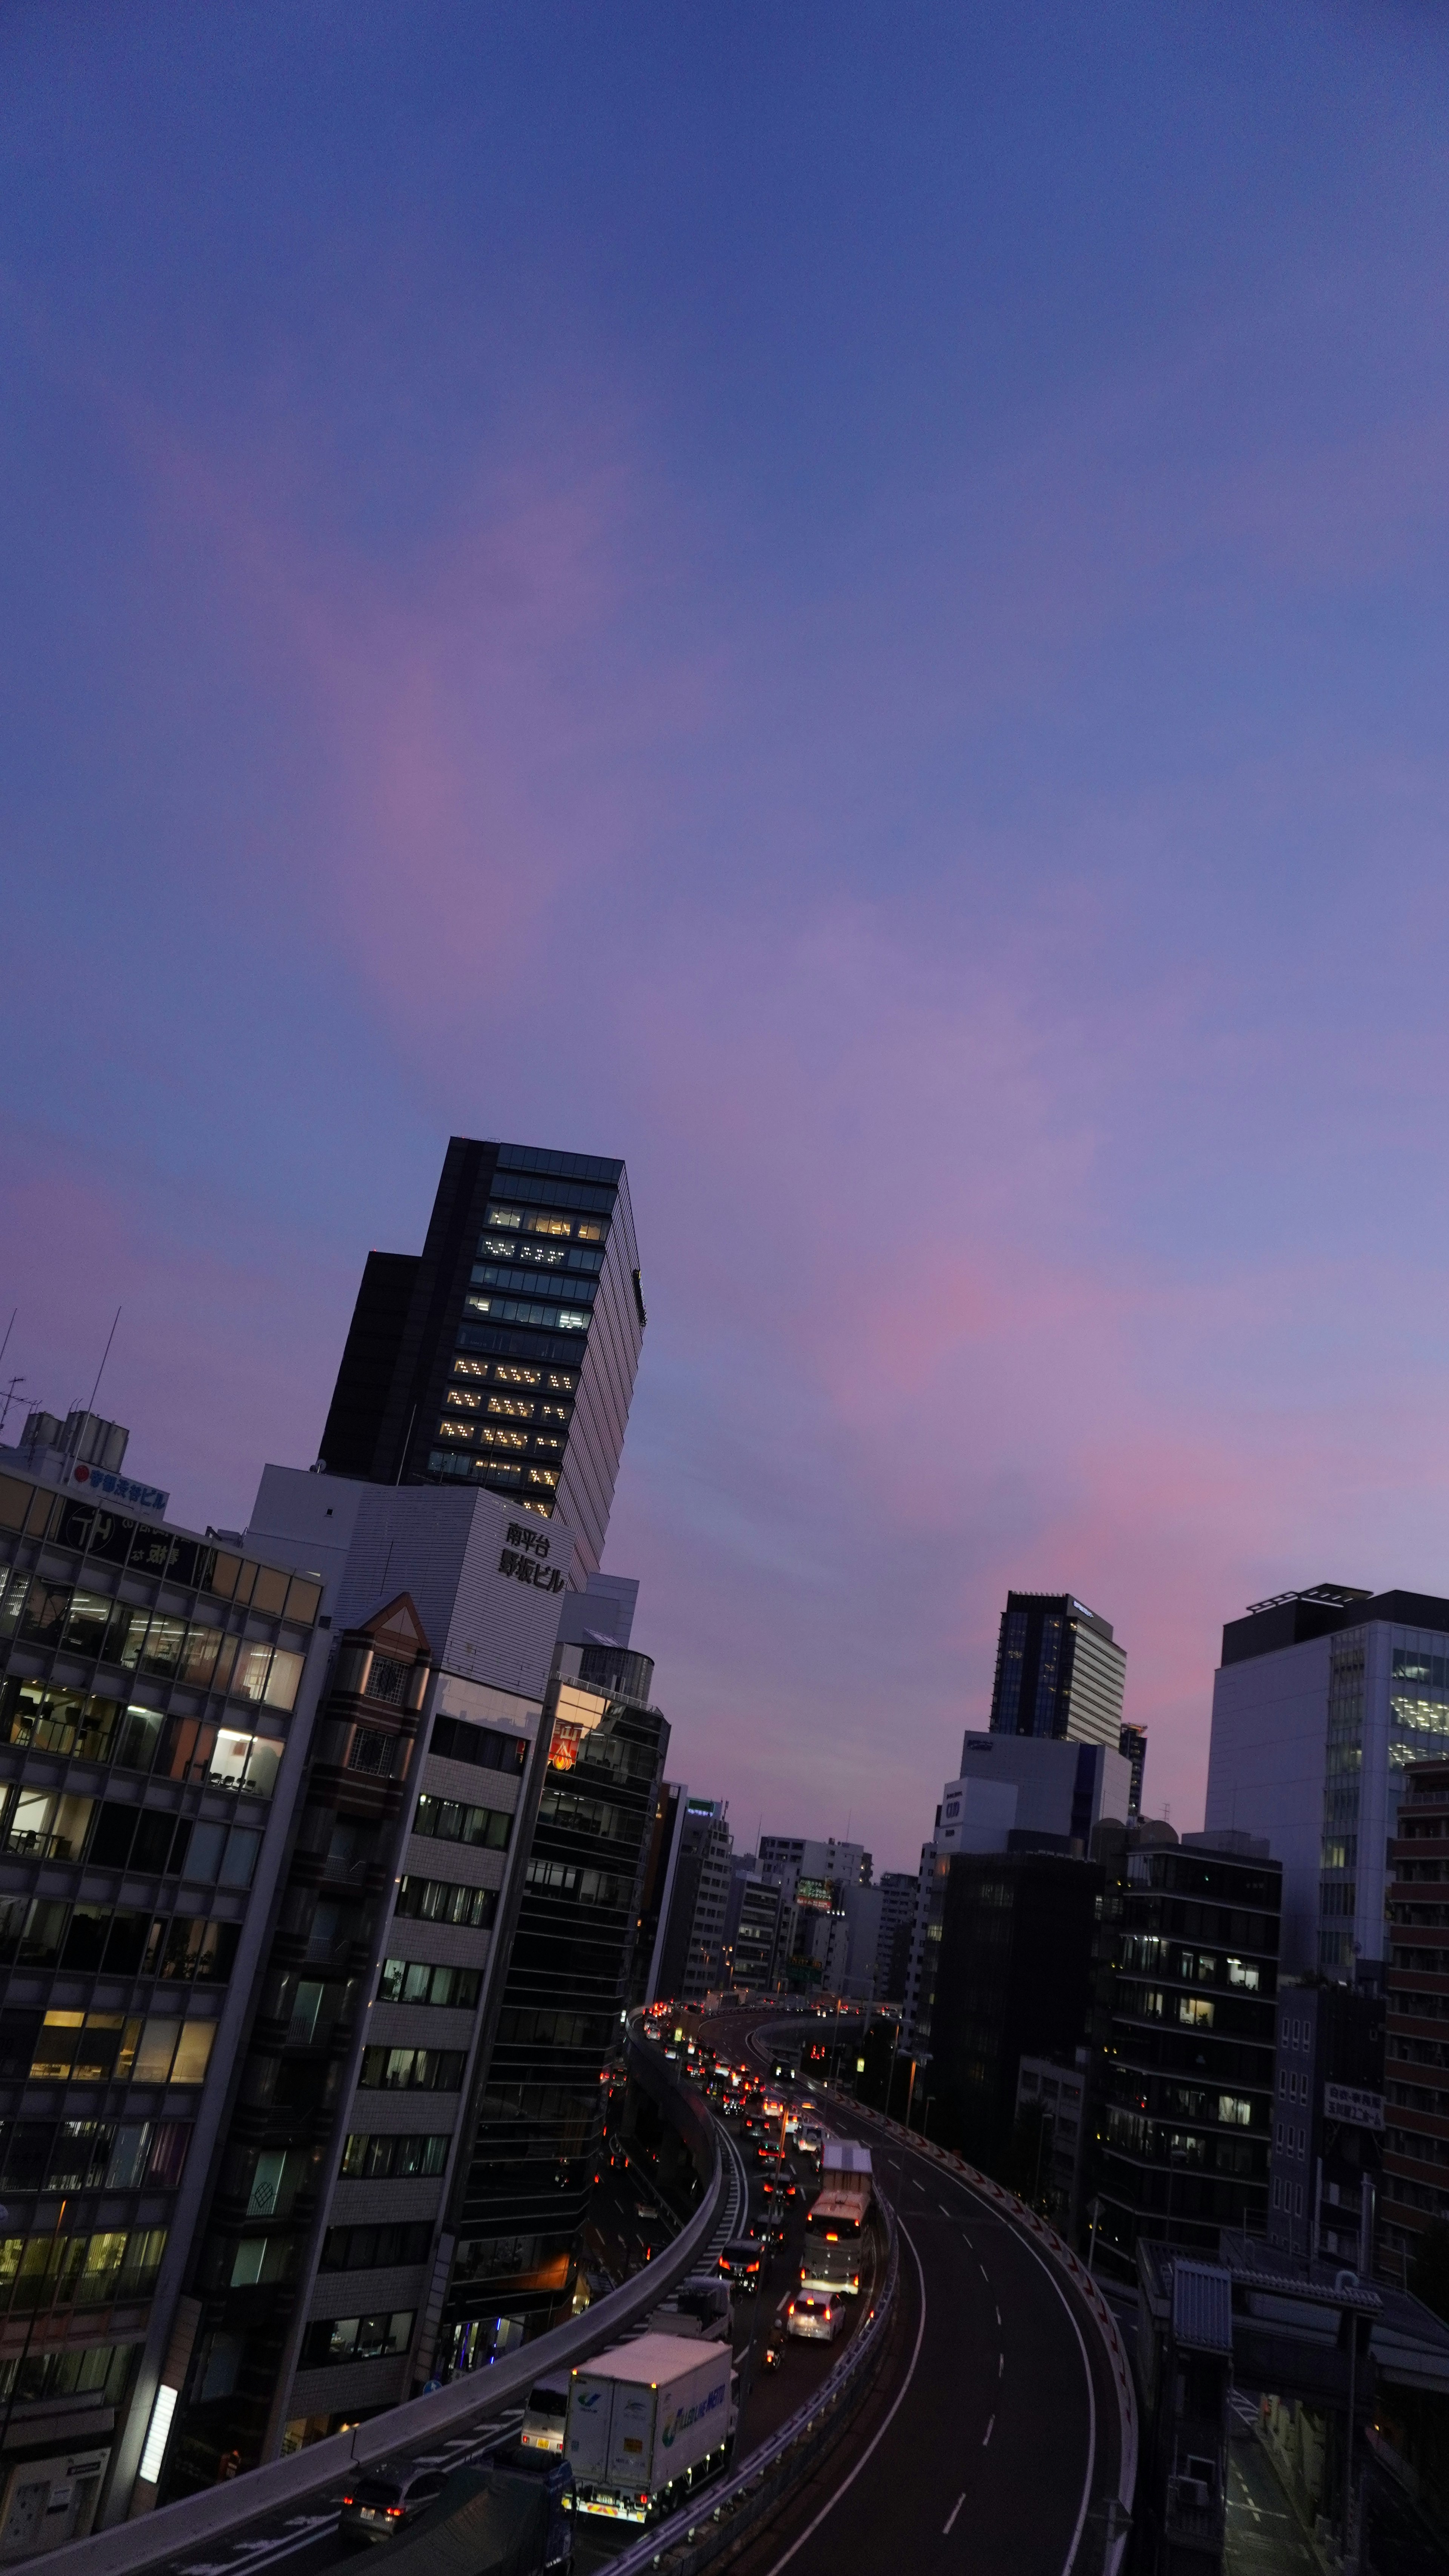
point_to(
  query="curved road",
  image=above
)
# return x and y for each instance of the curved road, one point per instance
(990, 2442)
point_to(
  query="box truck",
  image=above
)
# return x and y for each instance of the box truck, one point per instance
(647, 2422)
(842, 2205)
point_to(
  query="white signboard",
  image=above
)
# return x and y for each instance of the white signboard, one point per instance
(1347, 2102)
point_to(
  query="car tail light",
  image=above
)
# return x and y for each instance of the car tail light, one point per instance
(394, 2513)
(347, 2499)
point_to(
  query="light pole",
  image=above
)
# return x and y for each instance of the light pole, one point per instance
(910, 2092)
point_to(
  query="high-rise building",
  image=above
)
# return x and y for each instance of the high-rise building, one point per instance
(1132, 1745)
(156, 1691)
(1059, 1671)
(1183, 2032)
(416, 2108)
(1321, 1699)
(504, 1354)
(691, 1961)
(1416, 2078)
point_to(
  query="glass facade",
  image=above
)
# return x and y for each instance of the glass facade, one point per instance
(148, 1683)
(511, 1361)
(535, 2129)
(1184, 2034)
(1059, 1671)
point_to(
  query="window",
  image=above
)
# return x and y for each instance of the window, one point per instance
(484, 1746)
(329, 2340)
(1196, 2010)
(370, 1751)
(377, 2158)
(416, 1981)
(449, 1821)
(1241, 1973)
(440, 1900)
(411, 2070)
(1234, 2111)
(376, 2249)
(247, 1763)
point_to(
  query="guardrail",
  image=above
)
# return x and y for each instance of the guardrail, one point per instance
(155, 2538)
(725, 2511)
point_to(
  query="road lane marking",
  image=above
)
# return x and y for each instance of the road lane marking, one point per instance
(990, 2429)
(883, 2429)
(998, 2316)
(1000, 2365)
(951, 2516)
(1040, 2259)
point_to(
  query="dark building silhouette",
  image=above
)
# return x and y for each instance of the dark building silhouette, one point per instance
(1014, 1981)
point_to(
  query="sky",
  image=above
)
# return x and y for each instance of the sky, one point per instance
(848, 604)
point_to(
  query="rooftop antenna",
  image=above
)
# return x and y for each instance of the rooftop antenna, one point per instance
(95, 1390)
(9, 1329)
(7, 1399)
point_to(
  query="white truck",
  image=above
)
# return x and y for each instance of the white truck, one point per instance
(842, 2205)
(647, 2422)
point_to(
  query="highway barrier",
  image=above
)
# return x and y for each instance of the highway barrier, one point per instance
(154, 2539)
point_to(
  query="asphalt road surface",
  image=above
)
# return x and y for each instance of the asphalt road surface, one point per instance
(989, 2441)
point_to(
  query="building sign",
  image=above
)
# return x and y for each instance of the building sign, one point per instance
(524, 1557)
(1359, 2109)
(122, 1489)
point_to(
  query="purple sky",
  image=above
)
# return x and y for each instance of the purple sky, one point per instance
(846, 603)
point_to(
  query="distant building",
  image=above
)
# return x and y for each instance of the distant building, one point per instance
(661, 1862)
(1328, 2121)
(1132, 1745)
(1014, 1981)
(1183, 2037)
(756, 1935)
(1058, 2092)
(1014, 1793)
(503, 1355)
(1059, 1671)
(1321, 1699)
(897, 1923)
(691, 1959)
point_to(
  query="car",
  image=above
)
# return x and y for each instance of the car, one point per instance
(386, 2499)
(742, 2262)
(814, 2318)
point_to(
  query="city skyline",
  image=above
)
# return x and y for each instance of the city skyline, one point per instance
(900, 699)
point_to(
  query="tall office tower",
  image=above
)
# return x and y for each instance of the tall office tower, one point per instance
(1321, 1699)
(415, 2109)
(1132, 1745)
(316, 2273)
(1059, 1671)
(504, 1354)
(691, 1959)
(156, 1690)
(1183, 2030)
(536, 2121)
